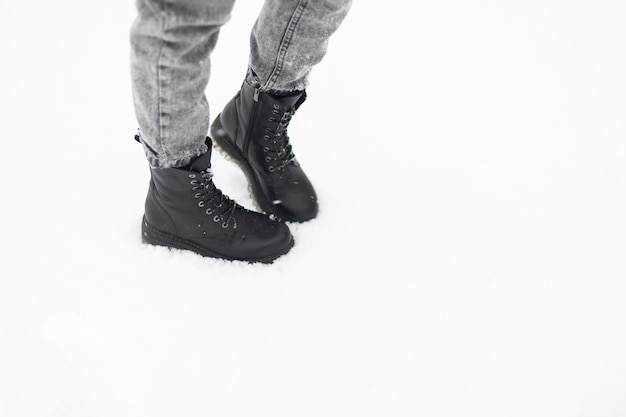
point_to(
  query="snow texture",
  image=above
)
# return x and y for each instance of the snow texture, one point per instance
(468, 259)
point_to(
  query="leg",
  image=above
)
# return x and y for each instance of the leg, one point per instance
(288, 39)
(171, 43)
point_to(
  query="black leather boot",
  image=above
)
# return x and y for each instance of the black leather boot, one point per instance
(252, 130)
(185, 210)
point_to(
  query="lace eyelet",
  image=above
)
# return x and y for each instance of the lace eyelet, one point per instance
(268, 159)
(194, 182)
(197, 195)
(216, 219)
(266, 149)
(271, 169)
(276, 106)
(201, 204)
(192, 175)
(209, 211)
(224, 225)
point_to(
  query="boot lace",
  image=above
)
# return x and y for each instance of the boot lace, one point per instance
(218, 205)
(278, 150)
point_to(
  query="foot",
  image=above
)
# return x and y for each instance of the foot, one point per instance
(185, 210)
(252, 130)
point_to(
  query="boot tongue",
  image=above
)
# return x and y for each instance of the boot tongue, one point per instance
(203, 161)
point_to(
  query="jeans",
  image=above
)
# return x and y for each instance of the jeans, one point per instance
(171, 45)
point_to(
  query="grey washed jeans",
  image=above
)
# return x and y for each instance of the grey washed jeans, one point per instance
(171, 45)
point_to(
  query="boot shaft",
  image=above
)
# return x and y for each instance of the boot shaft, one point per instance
(252, 111)
(177, 195)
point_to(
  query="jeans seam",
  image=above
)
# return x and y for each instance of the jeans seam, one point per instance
(285, 44)
(159, 81)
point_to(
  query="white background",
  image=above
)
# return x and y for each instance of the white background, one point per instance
(468, 259)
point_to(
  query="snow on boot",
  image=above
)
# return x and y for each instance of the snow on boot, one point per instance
(185, 210)
(252, 130)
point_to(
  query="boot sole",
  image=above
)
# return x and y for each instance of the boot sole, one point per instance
(153, 236)
(223, 144)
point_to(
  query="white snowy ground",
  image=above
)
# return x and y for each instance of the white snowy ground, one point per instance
(468, 259)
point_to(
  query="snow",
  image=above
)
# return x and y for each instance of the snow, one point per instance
(468, 259)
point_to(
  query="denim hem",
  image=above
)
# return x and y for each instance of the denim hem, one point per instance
(174, 161)
(253, 81)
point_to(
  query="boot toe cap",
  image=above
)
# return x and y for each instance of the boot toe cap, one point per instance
(291, 196)
(269, 240)
(299, 209)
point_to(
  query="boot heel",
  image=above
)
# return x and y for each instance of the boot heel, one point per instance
(150, 236)
(223, 144)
